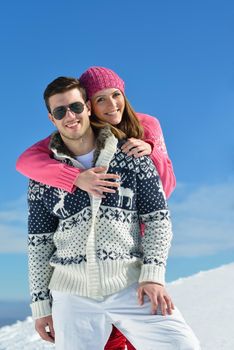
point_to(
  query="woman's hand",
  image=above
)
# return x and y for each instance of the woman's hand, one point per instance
(158, 297)
(137, 148)
(95, 181)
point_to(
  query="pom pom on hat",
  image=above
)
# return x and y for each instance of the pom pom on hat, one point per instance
(98, 78)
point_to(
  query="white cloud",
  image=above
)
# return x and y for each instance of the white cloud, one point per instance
(13, 239)
(203, 220)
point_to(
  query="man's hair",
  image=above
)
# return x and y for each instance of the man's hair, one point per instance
(60, 85)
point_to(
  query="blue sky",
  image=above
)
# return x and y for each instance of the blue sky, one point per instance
(177, 60)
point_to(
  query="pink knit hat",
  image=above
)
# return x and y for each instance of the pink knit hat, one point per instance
(98, 78)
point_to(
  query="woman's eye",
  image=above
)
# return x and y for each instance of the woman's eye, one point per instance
(116, 94)
(100, 100)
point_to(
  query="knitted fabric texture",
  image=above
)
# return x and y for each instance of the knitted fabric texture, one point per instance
(96, 79)
(93, 247)
(34, 163)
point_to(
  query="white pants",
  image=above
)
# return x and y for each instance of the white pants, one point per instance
(85, 324)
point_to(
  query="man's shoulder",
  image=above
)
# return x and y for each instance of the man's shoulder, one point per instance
(131, 163)
(36, 190)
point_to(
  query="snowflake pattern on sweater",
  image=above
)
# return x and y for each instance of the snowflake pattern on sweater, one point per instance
(94, 247)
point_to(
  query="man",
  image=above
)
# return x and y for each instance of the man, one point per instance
(88, 252)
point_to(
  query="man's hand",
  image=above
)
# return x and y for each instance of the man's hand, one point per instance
(44, 326)
(136, 148)
(158, 297)
(94, 181)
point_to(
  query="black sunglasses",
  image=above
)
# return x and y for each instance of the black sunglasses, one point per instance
(60, 112)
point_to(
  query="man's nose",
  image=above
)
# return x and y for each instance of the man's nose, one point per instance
(70, 113)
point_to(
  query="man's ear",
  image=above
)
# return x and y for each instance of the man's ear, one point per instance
(88, 104)
(51, 118)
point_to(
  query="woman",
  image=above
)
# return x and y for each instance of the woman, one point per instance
(105, 90)
(50, 172)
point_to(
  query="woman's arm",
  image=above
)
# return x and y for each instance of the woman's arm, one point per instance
(37, 164)
(154, 136)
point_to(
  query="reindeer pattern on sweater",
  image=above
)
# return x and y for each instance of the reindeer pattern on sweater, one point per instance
(93, 247)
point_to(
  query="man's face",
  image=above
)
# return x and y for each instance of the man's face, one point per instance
(72, 126)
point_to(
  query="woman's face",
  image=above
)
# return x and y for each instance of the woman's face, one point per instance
(108, 105)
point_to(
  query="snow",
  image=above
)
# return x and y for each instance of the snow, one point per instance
(205, 299)
(207, 303)
(22, 336)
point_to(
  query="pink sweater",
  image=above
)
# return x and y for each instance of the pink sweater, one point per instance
(36, 163)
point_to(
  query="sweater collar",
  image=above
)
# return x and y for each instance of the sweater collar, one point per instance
(61, 151)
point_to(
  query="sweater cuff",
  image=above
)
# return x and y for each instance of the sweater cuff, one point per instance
(152, 273)
(41, 309)
(67, 178)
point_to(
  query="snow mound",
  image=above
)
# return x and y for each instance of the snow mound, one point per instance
(207, 303)
(22, 336)
(205, 299)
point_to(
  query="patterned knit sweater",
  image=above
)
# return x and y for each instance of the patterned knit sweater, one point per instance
(93, 247)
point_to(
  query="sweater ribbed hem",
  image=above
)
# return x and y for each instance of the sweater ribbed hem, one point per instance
(152, 273)
(66, 178)
(112, 277)
(41, 309)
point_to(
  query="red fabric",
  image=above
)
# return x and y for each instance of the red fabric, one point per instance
(129, 345)
(116, 341)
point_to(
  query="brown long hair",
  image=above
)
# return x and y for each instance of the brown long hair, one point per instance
(130, 124)
(128, 127)
(98, 124)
